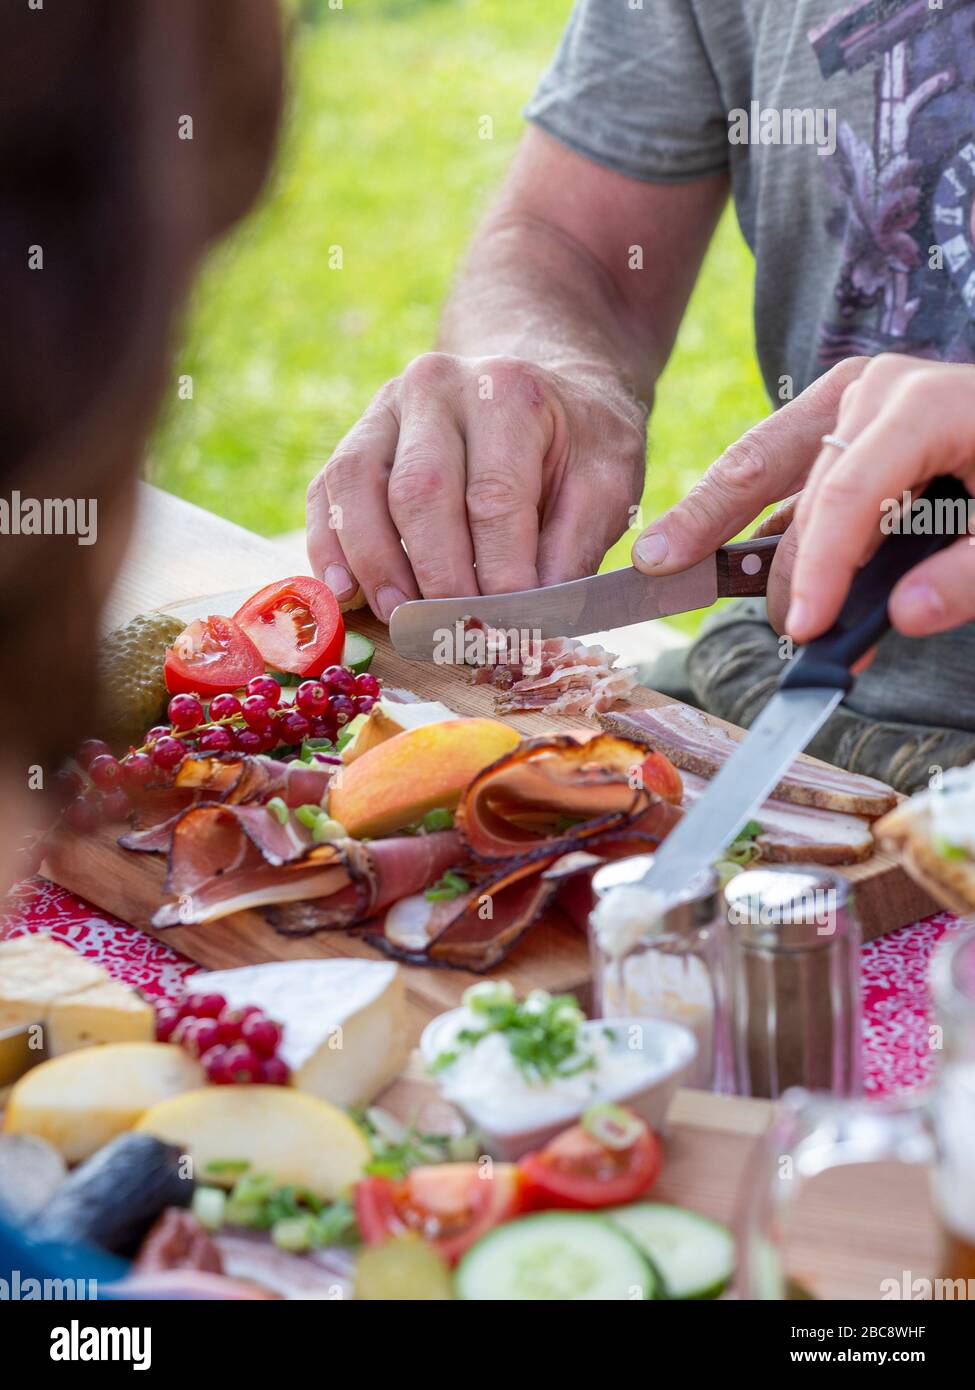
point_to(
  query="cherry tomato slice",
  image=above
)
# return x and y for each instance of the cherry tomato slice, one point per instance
(210, 656)
(576, 1170)
(450, 1204)
(295, 625)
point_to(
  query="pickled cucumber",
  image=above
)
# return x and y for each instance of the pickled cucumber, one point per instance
(132, 687)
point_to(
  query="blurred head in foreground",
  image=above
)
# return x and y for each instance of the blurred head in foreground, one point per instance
(131, 135)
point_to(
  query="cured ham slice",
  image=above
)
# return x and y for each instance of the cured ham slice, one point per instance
(226, 859)
(387, 871)
(803, 834)
(234, 782)
(476, 930)
(554, 789)
(697, 744)
(559, 674)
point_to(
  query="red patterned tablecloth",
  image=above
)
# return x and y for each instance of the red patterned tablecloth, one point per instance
(894, 974)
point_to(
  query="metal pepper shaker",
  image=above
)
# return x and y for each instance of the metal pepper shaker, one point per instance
(664, 958)
(795, 958)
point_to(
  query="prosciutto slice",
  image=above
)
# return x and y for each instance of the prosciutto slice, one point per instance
(226, 859)
(476, 930)
(559, 674)
(234, 782)
(697, 744)
(555, 789)
(805, 834)
(387, 870)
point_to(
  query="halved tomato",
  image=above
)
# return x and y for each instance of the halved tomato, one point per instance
(450, 1204)
(295, 625)
(593, 1165)
(209, 656)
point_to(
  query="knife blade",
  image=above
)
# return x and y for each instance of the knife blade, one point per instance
(427, 629)
(811, 687)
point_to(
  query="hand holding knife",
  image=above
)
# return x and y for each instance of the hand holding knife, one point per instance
(812, 685)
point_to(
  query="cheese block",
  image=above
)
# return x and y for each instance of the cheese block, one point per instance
(76, 1001)
(345, 1021)
(81, 1101)
(387, 718)
(106, 1013)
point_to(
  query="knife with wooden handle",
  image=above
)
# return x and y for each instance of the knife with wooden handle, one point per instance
(618, 599)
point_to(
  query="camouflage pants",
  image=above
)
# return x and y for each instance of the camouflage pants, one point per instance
(911, 712)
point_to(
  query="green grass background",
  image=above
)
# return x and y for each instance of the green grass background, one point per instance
(381, 156)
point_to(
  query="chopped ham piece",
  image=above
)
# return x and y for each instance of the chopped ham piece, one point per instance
(559, 674)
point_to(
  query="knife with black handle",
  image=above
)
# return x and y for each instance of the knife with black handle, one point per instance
(811, 687)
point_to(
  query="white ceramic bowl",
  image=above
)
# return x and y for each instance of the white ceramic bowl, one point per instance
(667, 1049)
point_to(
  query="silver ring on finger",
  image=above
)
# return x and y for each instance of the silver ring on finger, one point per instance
(835, 440)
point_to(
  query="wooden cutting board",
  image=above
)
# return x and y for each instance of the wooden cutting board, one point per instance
(851, 1227)
(552, 955)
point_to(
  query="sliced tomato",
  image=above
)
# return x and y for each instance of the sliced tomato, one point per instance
(295, 625)
(210, 656)
(450, 1204)
(577, 1170)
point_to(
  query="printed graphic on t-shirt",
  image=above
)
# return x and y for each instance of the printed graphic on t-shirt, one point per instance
(902, 193)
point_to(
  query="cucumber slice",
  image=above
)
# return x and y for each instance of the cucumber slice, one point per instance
(358, 652)
(555, 1255)
(694, 1256)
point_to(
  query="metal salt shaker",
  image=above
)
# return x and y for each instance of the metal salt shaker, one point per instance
(672, 964)
(795, 948)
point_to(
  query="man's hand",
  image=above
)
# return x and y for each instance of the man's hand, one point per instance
(494, 473)
(511, 458)
(768, 464)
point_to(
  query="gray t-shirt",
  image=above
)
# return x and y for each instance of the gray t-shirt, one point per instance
(868, 248)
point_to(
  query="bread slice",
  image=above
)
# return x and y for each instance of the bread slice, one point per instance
(907, 831)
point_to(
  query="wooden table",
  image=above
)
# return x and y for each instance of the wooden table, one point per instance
(853, 1228)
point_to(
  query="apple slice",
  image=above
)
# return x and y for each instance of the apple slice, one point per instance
(80, 1101)
(294, 1137)
(420, 770)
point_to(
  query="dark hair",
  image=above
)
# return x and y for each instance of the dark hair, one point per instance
(105, 208)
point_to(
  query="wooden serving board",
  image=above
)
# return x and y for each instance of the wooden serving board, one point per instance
(552, 955)
(854, 1226)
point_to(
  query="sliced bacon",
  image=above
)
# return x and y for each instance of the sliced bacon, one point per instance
(801, 833)
(697, 744)
(521, 800)
(559, 674)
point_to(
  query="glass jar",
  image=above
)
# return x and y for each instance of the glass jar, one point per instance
(666, 958)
